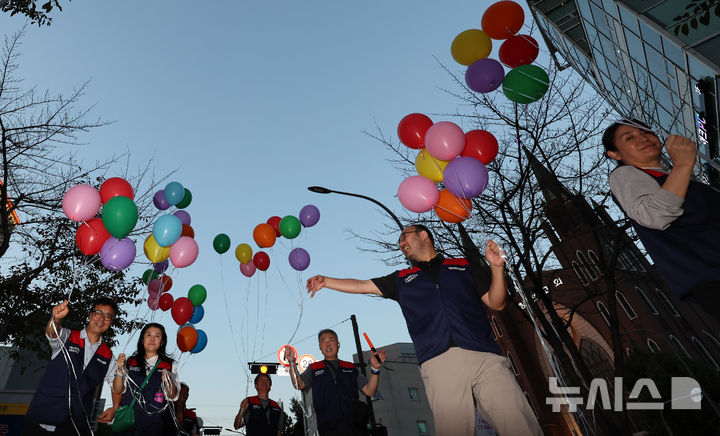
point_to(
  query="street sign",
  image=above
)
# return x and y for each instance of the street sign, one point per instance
(281, 355)
(305, 361)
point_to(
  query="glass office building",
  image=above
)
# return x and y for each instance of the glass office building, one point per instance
(657, 60)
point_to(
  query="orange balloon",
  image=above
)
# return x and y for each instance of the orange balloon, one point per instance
(166, 283)
(264, 235)
(452, 209)
(188, 231)
(187, 338)
(503, 19)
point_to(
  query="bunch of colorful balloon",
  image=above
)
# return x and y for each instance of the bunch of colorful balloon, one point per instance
(525, 83)
(107, 235)
(265, 236)
(172, 236)
(447, 156)
(186, 312)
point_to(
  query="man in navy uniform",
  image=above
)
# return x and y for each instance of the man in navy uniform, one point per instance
(260, 415)
(335, 387)
(444, 303)
(80, 361)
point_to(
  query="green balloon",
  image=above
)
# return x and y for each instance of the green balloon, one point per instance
(148, 275)
(525, 84)
(290, 227)
(187, 199)
(221, 243)
(197, 295)
(119, 216)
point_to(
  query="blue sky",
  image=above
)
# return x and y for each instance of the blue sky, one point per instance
(253, 102)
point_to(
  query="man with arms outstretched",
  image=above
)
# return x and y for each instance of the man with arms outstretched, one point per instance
(444, 303)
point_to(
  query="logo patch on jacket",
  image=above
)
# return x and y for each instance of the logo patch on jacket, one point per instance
(458, 268)
(74, 349)
(410, 278)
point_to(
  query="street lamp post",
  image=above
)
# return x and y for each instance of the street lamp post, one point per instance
(322, 190)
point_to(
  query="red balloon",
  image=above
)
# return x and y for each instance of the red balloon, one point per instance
(274, 221)
(261, 261)
(187, 338)
(518, 50)
(480, 145)
(187, 231)
(502, 19)
(166, 284)
(182, 310)
(412, 129)
(116, 187)
(91, 236)
(165, 302)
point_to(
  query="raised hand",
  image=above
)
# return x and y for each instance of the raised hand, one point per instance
(682, 151)
(61, 310)
(314, 284)
(494, 254)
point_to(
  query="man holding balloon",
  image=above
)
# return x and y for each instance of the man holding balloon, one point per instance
(445, 302)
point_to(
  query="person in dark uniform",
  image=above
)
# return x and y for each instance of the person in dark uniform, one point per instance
(186, 418)
(79, 363)
(260, 415)
(336, 385)
(152, 413)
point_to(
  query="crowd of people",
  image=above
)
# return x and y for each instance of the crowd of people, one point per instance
(444, 303)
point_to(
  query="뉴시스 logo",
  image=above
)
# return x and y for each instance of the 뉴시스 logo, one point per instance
(685, 394)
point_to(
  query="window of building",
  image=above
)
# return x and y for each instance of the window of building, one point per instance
(635, 47)
(594, 262)
(647, 301)
(602, 308)
(625, 304)
(579, 272)
(705, 352)
(679, 345)
(673, 52)
(496, 327)
(422, 426)
(585, 265)
(532, 406)
(414, 394)
(668, 303)
(650, 35)
(653, 346)
(512, 364)
(629, 20)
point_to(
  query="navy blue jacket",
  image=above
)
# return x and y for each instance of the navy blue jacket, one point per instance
(50, 403)
(333, 398)
(260, 423)
(445, 313)
(686, 254)
(152, 417)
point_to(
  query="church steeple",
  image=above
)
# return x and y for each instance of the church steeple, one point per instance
(551, 187)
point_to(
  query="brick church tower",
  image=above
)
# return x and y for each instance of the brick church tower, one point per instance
(584, 238)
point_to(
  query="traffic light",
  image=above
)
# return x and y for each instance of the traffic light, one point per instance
(263, 367)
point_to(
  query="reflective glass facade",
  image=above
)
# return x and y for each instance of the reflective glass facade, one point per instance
(646, 57)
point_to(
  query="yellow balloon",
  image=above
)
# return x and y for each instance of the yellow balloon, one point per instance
(243, 253)
(153, 251)
(470, 46)
(430, 167)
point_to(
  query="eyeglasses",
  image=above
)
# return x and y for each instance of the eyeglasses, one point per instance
(99, 313)
(403, 235)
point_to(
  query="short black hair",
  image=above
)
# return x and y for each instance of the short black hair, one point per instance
(257, 377)
(608, 137)
(332, 332)
(421, 228)
(105, 301)
(184, 385)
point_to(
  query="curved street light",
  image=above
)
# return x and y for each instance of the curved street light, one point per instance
(322, 190)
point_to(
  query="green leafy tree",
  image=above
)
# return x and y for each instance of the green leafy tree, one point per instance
(37, 13)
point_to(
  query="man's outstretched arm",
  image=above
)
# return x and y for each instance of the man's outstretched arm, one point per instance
(350, 286)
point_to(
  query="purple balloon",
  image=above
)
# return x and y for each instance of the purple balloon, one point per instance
(248, 269)
(465, 177)
(309, 215)
(116, 255)
(299, 259)
(160, 201)
(184, 216)
(484, 75)
(161, 267)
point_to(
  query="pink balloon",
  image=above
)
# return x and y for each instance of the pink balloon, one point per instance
(248, 269)
(444, 140)
(81, 202)
(184, 252)
(153, 301)
(418, 194)
(155, 286)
